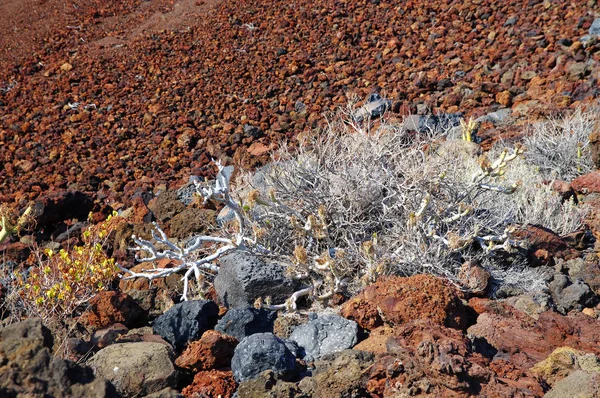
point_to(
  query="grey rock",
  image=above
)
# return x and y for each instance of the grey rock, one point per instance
(260, 352)
(375, 107)
(243, 322)
(325, 335)
(496, 117)
(252, 131)
(532, 303)
(243, 278)
(185, 322)
(136, 368)
(579, 384)
(511, 21)
(571, 294)
(432, 123)
(595, 28)
(187, 192)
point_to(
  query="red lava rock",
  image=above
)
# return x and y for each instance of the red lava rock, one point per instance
(401, 300)
(213, 350)
(362, 312)
(212, 383)
(426, 358)
(112, 99)
(377, 340)
(141, 212)
(587, 184)
(109, 307)
(544, 245)
(525, 340)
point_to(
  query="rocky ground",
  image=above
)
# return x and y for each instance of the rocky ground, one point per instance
(104, 105)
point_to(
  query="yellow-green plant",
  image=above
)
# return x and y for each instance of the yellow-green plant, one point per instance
(9, 226)
(61, 281)
(468, 128)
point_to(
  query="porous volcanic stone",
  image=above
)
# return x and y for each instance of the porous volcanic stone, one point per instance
(260, 352)
(243, 278)
(325, 335)
(243, 322)
(185, 322)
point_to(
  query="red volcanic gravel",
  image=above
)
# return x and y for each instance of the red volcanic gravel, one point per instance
(125, 97)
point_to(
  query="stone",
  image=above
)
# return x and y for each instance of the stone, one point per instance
(595, 27)
(374, 108)
(339, 375)
(166, 206)
(136, 368)
(192, 221)
(587, 183)
(29, 368)
(212, 383)
(578, 384)
(243, 278)
(400, 300)
(268, 385)
(474, 278)
(377, 340)
(541, 242)
(243, 322)
(104, 337)
(260, 352)
(532, 303)
(571, 294)
(525, 341)
(214, 350)
(563, 361)
(185, 322)
(324, 335)
(432, 123)
(109, 307)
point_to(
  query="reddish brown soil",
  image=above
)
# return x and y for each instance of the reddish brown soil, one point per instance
(163, 86)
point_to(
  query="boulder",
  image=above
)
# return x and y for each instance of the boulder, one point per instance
(523, 340)
(185, 322)
(212, 383)
(109, 307)
(28, 367)
(136, 368)
(569, 294)
(324, 335)
(260, 352)
(213, 350)
(399, 300)
(243, 322)
(578, 384)
(341, 374)
(243, 278)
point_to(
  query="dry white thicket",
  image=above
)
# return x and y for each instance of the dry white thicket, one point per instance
(354, 203)
(560, 145)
